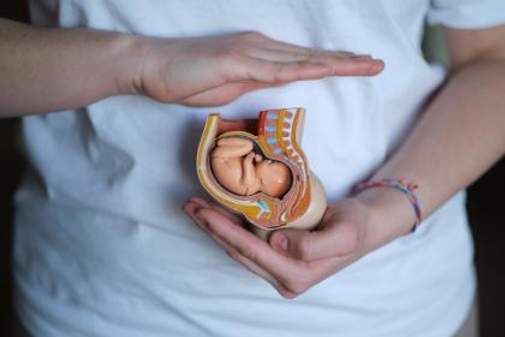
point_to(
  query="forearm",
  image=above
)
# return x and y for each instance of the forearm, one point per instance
(44, 69)
(460, 135)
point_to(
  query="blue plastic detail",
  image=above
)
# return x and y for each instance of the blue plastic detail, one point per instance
(271, 140)
(263, 206)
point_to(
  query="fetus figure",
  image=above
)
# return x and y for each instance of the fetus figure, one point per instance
(242, 171)
(256, 168)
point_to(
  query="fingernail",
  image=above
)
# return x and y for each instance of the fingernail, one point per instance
(284, 242)
(377, 65)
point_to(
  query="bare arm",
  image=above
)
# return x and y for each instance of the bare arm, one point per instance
(459, 136)
(49, 69)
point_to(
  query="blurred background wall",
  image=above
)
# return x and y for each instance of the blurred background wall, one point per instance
(486, 206)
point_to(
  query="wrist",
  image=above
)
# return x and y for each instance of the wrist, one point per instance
(131, 52)
(390, 215)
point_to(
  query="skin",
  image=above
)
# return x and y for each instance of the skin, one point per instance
(59, 69)
(461, 130)
(240, 170)
(465, 116)
(62, 69)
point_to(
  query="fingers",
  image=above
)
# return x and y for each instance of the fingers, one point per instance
(229, 215)
(250, 246)
(261, 47)
(357, 66)
(253, 267)
(342, 63)
(252, 61)
(309, 258)
(216, 71)
(333, 240)
(201, 203)
(276, 55)
(195, 204)
(190, 209)
(299, 54)
(288, 276)
(303, 53)
(273, 72)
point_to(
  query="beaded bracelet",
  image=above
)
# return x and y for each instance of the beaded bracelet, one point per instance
(399, 184)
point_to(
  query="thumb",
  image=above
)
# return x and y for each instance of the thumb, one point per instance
(338, 240)
(295, 243)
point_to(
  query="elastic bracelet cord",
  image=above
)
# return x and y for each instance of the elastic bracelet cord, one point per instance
(399, 184)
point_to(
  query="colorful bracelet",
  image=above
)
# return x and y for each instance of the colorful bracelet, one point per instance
(399, 184)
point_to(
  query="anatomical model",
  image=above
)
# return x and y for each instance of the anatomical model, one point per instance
(256, 168)
(244, 172)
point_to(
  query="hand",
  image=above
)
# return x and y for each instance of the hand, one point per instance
(293, 260)
(216, 70)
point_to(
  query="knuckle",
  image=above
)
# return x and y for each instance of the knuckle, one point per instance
(353, 239)
(243, 39)
(277, 72)
(232, 254)
(297, 285)
(317, 52)
(248, 252)
(230, 52)
(252, 35)
(305, 248)
(287, 295)
(310, 52)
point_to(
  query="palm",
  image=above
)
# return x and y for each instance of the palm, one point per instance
(311, 257)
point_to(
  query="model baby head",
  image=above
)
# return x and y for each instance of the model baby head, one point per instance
(239, 169)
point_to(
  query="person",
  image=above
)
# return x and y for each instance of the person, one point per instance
(102, 247)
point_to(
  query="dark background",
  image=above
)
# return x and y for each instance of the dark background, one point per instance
(486, 205)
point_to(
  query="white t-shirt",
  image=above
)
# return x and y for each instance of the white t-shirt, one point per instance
(102, 247)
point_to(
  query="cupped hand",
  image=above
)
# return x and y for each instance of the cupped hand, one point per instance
(213, 71)
(293, 260)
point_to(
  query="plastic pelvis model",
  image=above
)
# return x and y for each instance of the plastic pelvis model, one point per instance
(256, 168)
